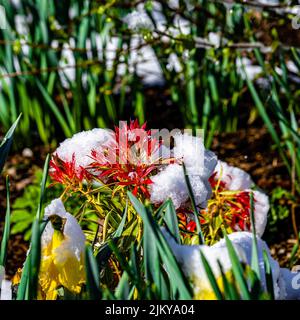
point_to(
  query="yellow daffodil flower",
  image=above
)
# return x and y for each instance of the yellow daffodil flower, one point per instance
(62, 262)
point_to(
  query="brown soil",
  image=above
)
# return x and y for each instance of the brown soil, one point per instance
(21, 171)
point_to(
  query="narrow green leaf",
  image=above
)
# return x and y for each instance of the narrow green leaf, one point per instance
(35, 259)
(7, 142)
(43, 187)
(254, 256)
(151, 258)
(104, 254)
(195, 211)
(123, 289)
(22, 288)
(211, 277)
(120, 229)
(269, 276)
(179, 282)
(54, 109)
(237, 269)
(264, 115)
(230, 291)
(294, 252)
(6, 232)
(191, 91)
(172, 220)
(92, 275)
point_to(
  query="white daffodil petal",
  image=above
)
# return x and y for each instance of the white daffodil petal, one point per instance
(72, 230)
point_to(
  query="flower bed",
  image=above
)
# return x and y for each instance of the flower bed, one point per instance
(150, 210)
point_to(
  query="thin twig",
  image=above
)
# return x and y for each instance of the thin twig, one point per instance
(50, 69)
(254, 4)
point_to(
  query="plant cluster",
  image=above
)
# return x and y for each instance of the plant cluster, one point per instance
(173, 222)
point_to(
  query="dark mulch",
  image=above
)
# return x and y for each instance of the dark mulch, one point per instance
(21, 169)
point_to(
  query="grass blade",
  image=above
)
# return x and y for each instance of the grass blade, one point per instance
(230, 291)
(22, 288)
(294, 252)
(54, 109)
(191, 195)
(237, 269)
(35, 259)
(120, 229)
(123, 289)
(211, 277)
(179, 282)
(5, 237)
(268, 273)
(7, 142)
(43, 187)
(92, 275)
(172, 221)
(254, 256)
(151, 259)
